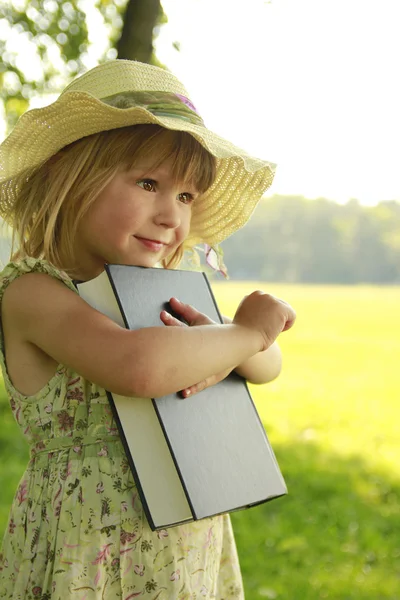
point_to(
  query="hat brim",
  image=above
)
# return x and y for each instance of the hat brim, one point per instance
(240, 182)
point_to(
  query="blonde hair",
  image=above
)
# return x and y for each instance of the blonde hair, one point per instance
(52, 201)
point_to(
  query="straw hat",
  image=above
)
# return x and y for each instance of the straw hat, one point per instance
(121, 93)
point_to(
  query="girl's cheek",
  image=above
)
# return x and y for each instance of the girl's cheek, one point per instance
(128, 213)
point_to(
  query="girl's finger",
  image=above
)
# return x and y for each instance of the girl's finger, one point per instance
(169, 320)
(199, 387)
(288, 325)
(194, 389)
(188, 312)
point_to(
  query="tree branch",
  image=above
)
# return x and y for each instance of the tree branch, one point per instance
(136, 41)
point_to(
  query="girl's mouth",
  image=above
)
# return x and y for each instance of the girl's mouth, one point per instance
(153, 245)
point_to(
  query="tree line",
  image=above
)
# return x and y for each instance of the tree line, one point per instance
(294, 239)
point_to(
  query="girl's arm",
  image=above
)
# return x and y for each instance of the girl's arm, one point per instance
(263, 367)
(150, 362)
(260, 368)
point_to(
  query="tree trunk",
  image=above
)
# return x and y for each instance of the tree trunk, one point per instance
(136, 41)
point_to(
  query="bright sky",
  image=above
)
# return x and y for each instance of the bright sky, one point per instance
(312, 85)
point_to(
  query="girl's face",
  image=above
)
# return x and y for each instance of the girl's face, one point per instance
(139, 218)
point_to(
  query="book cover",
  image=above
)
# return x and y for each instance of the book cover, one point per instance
(196, 457)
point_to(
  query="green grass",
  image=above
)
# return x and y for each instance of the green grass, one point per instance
(13, 458)
(332, 418)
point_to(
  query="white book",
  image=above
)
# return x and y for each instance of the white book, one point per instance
(196, 457)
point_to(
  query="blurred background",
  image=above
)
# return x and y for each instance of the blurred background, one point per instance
(311, 85)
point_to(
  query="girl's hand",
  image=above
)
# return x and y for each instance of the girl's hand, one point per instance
(266, 314)
(193, 317)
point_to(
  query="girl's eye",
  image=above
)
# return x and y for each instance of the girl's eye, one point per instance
(186, 198)
(147, 184)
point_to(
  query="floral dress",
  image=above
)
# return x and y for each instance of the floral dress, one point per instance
(77, 529)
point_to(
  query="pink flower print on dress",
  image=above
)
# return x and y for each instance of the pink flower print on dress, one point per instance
(17, 415)
(124, 466)
(48, 408)
(139, 569)
(11, 526)
(22, 492)
(102, 555)
(111, 429)
(73, 381)
(176, 575)
(108, 410)
(162, 533)
(210, 538)
(127, 537)
(37, 591)
(124, 506)
(65, 420)
(57, 494)
(3, 562)
(75, 394)
(103, 451)
(40, 446)
(128, 561)
(99, 488)
(136, 502)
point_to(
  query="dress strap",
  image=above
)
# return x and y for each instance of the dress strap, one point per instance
(31, 265)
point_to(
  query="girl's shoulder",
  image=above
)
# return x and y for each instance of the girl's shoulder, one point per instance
(15, 269)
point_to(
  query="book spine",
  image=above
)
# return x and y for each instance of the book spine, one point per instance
(178, 470)
(131, 461)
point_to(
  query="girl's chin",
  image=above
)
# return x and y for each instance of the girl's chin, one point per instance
(142, 259)
(143, 262)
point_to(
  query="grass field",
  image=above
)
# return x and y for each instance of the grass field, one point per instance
(333, 420)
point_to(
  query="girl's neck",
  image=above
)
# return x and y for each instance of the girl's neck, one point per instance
(85, 274)
(81, 270)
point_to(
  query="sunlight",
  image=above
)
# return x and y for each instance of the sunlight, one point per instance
(310, 85)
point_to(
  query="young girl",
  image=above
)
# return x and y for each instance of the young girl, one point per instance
(120, 169)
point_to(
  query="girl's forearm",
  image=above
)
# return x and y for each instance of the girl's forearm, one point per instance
(263, 366)
(163, 360)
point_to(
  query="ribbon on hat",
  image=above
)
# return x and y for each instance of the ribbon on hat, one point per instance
(161, 104)
(214, 258)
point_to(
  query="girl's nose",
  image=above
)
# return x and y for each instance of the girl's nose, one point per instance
(168, 211)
